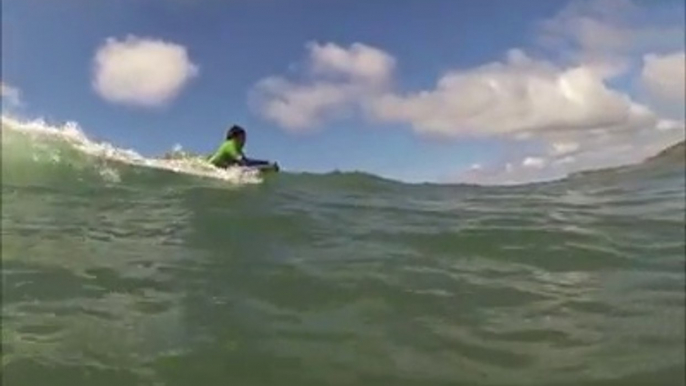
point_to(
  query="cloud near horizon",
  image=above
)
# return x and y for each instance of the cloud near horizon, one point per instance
(11, 96)
(141, 71)
(564, 106)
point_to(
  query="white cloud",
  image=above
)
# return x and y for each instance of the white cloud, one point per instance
(563, 148)
(139, 71)
(338, 79)
(607, 35)
(565, 160)
(664, 76)
(517, 97)
(593, 152)
(520, 96)
(669, 125)
(299, 108)
(534, 162)
(359, 62)
(10, 95)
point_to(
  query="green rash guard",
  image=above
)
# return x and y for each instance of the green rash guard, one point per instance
(228, 153)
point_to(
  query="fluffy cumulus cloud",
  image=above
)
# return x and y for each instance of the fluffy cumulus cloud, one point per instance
(337, 79)
(141, 71)
(301, 107)
(519, 96)
(359, 62)
(665, 76)
(11, 96)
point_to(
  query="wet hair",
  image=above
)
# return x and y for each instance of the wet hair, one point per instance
(234, 131)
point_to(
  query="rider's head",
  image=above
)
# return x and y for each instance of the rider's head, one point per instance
(236, 132)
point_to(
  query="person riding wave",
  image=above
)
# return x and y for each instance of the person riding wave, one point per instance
(230, 153)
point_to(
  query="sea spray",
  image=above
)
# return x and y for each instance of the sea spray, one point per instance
(38, 141)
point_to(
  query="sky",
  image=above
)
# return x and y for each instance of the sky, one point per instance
(443, 91)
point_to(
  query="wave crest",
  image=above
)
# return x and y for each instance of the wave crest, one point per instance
(38, 145)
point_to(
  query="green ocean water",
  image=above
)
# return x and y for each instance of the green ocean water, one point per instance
(118, 270)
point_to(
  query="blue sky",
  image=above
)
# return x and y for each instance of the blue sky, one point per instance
(48, 48)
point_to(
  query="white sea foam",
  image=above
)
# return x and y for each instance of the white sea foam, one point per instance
(73, 134)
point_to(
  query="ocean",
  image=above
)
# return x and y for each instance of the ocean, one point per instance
(119, 269)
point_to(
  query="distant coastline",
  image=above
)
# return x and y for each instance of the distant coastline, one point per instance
(676, 152)
(672, 154)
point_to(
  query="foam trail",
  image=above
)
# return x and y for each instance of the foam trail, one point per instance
(72, 134)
